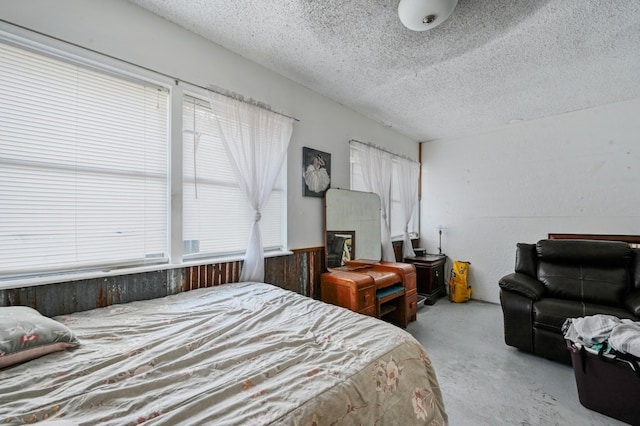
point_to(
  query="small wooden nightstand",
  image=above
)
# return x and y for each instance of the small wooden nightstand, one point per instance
(430, 276)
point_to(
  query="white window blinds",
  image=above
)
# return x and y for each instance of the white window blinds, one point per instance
(83, 167)
(216, 213)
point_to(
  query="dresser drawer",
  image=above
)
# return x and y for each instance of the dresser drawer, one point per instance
(412, 303)
(410, 281)
(370, 311)
(366, 298)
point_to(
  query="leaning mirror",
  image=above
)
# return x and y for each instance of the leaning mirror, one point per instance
(352, 227)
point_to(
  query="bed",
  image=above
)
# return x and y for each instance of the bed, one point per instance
(243, 353)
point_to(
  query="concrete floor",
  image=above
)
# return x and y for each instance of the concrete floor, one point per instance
(485, 382)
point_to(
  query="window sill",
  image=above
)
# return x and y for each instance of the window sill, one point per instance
(85, 275)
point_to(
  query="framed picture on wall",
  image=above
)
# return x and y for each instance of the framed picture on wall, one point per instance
(316, 172)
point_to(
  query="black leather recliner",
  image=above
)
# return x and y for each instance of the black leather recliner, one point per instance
(559, 279)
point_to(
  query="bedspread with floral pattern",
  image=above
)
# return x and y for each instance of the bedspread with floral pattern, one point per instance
(245, 353)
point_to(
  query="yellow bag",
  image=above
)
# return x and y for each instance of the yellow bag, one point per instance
(459, 290)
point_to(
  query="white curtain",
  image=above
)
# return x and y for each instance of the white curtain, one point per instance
(377, 167)
(407, 173)
(256, 141)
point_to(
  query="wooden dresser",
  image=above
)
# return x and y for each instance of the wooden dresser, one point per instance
(385, 290)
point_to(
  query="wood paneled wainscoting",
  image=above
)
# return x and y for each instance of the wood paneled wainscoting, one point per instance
(299, 272)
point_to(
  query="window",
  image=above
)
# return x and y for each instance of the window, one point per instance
(395, 214)
(86, 173)
(83, 167)
(216, 213)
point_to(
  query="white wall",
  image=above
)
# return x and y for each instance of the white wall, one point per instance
(127, 32)
(573, 173)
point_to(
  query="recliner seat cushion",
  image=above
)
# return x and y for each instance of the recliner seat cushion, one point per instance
(550, 314)
(587, 283)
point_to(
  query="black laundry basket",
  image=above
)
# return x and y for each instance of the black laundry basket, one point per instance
(607, 385)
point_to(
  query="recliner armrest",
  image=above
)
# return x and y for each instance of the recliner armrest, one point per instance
(632, 302)
(522, 284)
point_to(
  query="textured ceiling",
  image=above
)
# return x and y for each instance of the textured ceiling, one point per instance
(491, 63)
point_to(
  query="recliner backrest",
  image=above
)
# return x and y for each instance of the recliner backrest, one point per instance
(586, 270)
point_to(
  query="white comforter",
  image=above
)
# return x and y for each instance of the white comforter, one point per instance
(245, 353)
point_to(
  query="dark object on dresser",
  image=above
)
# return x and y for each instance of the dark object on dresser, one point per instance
(335, 250)
(559, 279)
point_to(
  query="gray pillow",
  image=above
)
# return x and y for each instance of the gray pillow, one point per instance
(25, 335)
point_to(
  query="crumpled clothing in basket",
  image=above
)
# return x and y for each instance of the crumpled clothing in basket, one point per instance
(592, 329)
(625, 338)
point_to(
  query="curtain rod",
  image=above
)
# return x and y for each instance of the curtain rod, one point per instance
(214, 89)
(239, 97)
(384, 150)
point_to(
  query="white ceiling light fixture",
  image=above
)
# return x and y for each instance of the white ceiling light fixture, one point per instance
(421, 15)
